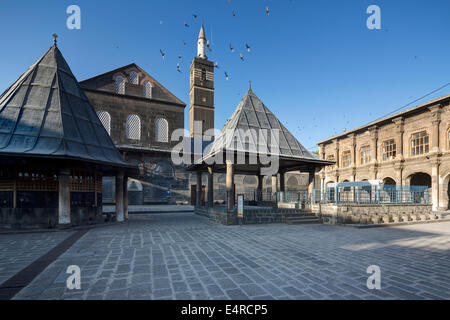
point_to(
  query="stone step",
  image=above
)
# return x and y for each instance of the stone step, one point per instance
(303, 221)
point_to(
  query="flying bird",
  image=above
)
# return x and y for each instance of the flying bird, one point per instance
(241, 56)
(226, 75)
(178, 68)
(208, 46)
(267, 11)
(234, 14)
(179, 57)
(186, 25)
(216, 65)
(231, 48)
(184, 42)
(247, 47)
(162, 54)
(195, 16)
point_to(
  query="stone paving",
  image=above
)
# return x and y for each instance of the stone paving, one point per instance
(183, 256)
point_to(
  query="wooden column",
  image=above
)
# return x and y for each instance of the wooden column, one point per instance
(119, 197)
(210, 187)
(125, 197)
(230, 185)
(311, 181)
(282, 182)
(64, 196)
(274, 187)
(198, 194)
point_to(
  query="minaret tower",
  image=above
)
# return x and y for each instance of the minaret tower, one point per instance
(201, 92)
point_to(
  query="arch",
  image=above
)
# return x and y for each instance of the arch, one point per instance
(134, 77)
(134, 185)
(292, 183)
(133, 127)
(419, 179)
(147, 87)
(120, 85)
(105, 119)
(250, 181)
(388, 181)
(161, 130)
(444, 197)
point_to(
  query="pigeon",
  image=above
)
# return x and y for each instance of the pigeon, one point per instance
(216, 65)
(208, 46)
(247, 47)
(178, 68)
(226, 75)
(241, 56)
(186, 25)
(234, 14)
(195, 16)
(231, 48)
(184, 42)
(179, 57)
(267, 11)
(162, 54)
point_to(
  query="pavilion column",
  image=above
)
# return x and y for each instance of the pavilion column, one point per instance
(260, 188)
(64, 196)
(198, 194)
(322, 187)
(125, 197)
(311, 181)
(274, 187)
(119, 197)
(210, 187)
(230, 185)
(282, 182)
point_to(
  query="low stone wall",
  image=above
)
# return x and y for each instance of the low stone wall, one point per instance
(251, 216)
(375, 213)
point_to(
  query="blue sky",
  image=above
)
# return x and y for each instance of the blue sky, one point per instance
(315, 64)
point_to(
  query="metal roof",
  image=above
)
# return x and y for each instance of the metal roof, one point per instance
(46, 113)
(253, 118)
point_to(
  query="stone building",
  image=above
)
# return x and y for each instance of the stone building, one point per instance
(408, 148)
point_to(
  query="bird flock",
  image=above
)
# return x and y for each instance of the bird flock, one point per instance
(209, 45)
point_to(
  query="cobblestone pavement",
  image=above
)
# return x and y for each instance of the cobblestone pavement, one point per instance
(19, 250)
(183, 256)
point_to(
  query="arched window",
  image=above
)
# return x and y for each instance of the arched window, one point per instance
(105, 119)
(134, 78)
(147, 89)
(120, 85)
(162, 130)
(133, 127)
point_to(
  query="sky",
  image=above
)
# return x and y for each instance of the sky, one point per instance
(314, 63)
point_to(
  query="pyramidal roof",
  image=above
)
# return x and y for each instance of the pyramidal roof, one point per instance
(252, 114)
(45, 113)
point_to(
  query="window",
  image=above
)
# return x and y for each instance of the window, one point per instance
(330, 158)
(346, 159)
(162, 130)
(133, 127)
(389, 150)
(105, 119)
(419, 143)
(147, 89)
(203, 74)
(365, 155)
(448, 139)
(120, 85)
(134, 78)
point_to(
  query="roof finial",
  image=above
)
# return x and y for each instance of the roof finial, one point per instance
(54, 38)
(249, 85)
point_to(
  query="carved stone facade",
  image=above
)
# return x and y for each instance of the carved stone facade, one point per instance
(408, 148)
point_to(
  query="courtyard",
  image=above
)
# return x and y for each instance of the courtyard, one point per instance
(185, 256)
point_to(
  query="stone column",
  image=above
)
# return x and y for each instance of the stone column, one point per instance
(119, 197)
(399, 124)
(274, 187)
(230, 185)
(125, 197)
(260, 188)
(282, 182)
(435, 185)
(374, 144)
(311, 181)
(435, 120)
(64, 197)
(198, 193)
(210, 187)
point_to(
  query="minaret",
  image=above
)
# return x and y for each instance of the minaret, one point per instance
(201, 93)
(201, 44)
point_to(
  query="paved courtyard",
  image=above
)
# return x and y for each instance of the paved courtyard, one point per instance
(183, 256)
